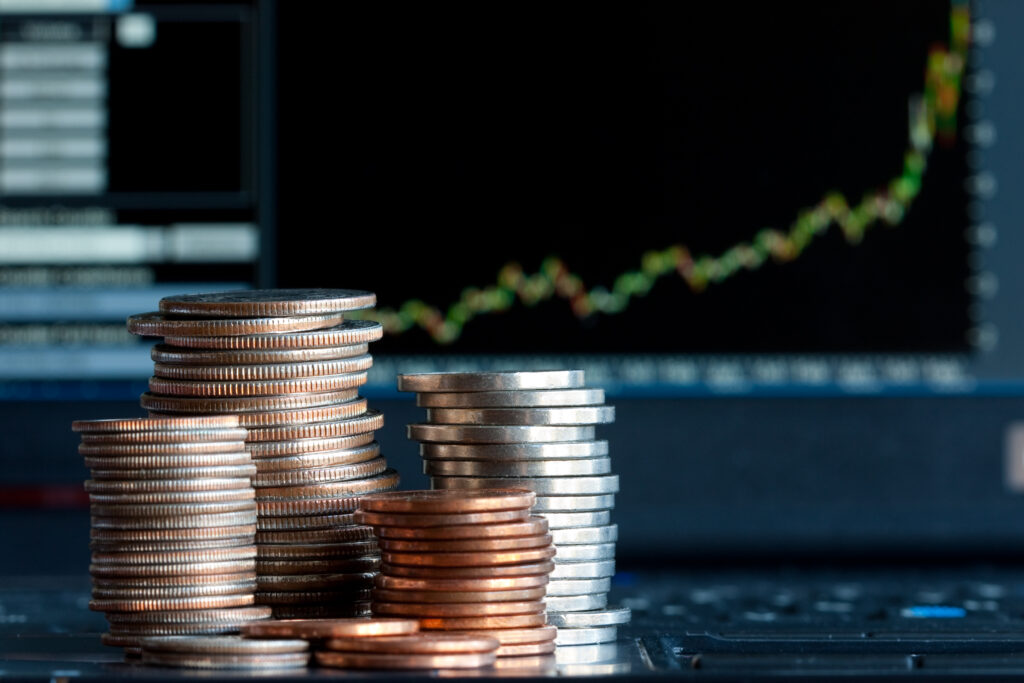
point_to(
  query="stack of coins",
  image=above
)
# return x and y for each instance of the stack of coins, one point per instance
(288, 364)
(536, 431)
(173, 525)
(473, 562)
(224, 652)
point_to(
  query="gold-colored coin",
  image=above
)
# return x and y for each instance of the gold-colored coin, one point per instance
(320, 475)
(187, 387)
(330, 628)
(232, 615)
(175, 569)
(494, 571)
(268, 302)
(316, 551)
(355, 660)
(345, 595)
(185, 509)
(149, 424)
(245, 404)
(158, 324)
(275, 449)
(442, 597)
(241, 552)
(164, 546)
(313, 582)
(193, 521)
(153, 592)
(304, 523)
(534, 526)
(164, 353)
(471, 545)
(183, 582)
(329, 535)
(349, 332)
(148, 604)
(317, 459)
(205, 661)
(414, 521)
(162, 448)
(142, 486)
(244, 531)
(511, 583)
(370, 421)
(223, 645)
(273, 371)
(483, 623)
(342, 565)
(519, 636)
(459, 609)
(449, 502)
(167, 436)
(174, 497)
(421, 643)
(385, 481)
(211, 472)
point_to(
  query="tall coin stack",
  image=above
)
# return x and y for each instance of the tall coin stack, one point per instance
(173, 525)
(474, 562)
(289, 365)
(536, 431)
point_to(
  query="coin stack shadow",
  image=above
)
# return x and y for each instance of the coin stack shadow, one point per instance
(472, 562)
(173, 525)
(290, 368)
(533, 430)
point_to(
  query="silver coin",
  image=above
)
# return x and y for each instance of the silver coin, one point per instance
(561, 587)
(529, 468)
(512, 399)
(491, 381)
(576, 603)
(586, 654)
(556, 486)
(582, 570)
(574, 503)
(595, 669)
(570, 520)
(505, 452)
(586, 636)
(593, 534)
(606, 617)
(584, 415)
(586, 553)
(497, 434)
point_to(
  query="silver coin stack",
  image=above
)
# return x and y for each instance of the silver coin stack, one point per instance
(534, 430)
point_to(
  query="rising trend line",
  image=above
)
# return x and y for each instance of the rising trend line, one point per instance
(931, 115)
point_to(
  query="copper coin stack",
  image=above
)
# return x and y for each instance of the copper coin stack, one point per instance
(173, 526)
(534, 430)
(289, 365)
(472, 562)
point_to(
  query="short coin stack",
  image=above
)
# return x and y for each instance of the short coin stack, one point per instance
(536, 431)
(173, 525)
(289, 365)
(472, 562)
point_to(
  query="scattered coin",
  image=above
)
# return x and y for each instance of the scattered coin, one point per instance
(268, 302)
(330, 628)
(347, 333)
(490, 381)
(511, 399)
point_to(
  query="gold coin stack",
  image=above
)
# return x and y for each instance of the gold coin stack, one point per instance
(471, 562)
(289, 365)
(173, 526)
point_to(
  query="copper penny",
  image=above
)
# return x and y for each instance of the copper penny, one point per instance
(447, 502)
(417, 643)
(175, 556)
(182, 521)
(223, 645)
(330, 628)
(196, 388)
(471, 559)
(439, 597)
(313, 597)
(174, 497)
(268, 302)
(520, 636)
(317, 459)
(496, 571)
(245, 404)
(148, 604)
(273, 371)
(157, 324)
(349, 660)
(329, 535)
(162, 448)
(171, 569)
(471, 545)
(412, 521)
(303, 523)
(140, 486)
(165, 535)
(170, 510)
(483, 623)
(345, 334)
(165, 353)
(207, 661)
(526, 649)
(274, 449)
(153, 592)
(534, 526)
(388, 478)
(369, 421)
(187, 580)
(316, 551)
(167, 436)
(459, 609)
(160, 546)
(148, 424)
(320, 475)
(512, 583)
(180, 473)
(234, 615)
(313, 582)
(369, 563)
